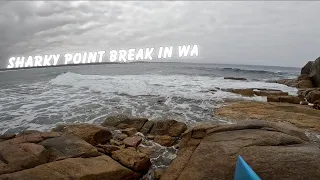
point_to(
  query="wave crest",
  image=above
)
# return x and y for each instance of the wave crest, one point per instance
(186, 86)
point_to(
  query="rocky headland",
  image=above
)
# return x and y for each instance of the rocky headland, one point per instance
(279, 139)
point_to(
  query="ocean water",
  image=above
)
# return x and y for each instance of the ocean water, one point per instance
(41, 98)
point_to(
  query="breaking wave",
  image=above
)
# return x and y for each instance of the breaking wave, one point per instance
(73, 97)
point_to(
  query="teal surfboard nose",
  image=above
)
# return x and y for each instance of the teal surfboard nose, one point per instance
(244, 171)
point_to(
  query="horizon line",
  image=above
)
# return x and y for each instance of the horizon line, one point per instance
(84, 64)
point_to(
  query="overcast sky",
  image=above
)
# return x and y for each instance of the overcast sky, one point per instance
(258, 33)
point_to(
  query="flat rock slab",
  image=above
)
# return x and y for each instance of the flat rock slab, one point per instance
(101, 167)
(271, 93)
(274, 151)
(68, 146)
(284, 99)
(243, 92)
(301, 116)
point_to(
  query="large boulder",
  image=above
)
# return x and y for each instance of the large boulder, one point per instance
(177, 129)
(123, 122)
(304, 81)
(68, 147)
(162, 127)
(313, 96)
(291, 82)
(91, 133)
(17, 157)
(306, 68)
(303, 77)
(101, 167)
(132, 159)
(168, 127)
(305, 84)
(273, 151)
(315, 72)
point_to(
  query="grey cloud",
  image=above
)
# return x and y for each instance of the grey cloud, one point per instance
(268, 33)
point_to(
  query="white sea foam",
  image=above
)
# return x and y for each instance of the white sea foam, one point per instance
(192, 87)
(72, 97)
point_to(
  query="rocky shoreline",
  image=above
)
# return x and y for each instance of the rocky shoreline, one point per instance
(121, 148)
(280, 139)
(136, 148)
(307, 83)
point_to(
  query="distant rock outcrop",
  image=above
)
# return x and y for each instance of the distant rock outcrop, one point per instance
(315, 72)
(308, 83)
(306, 68)
(236, 78)
(309, 76)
